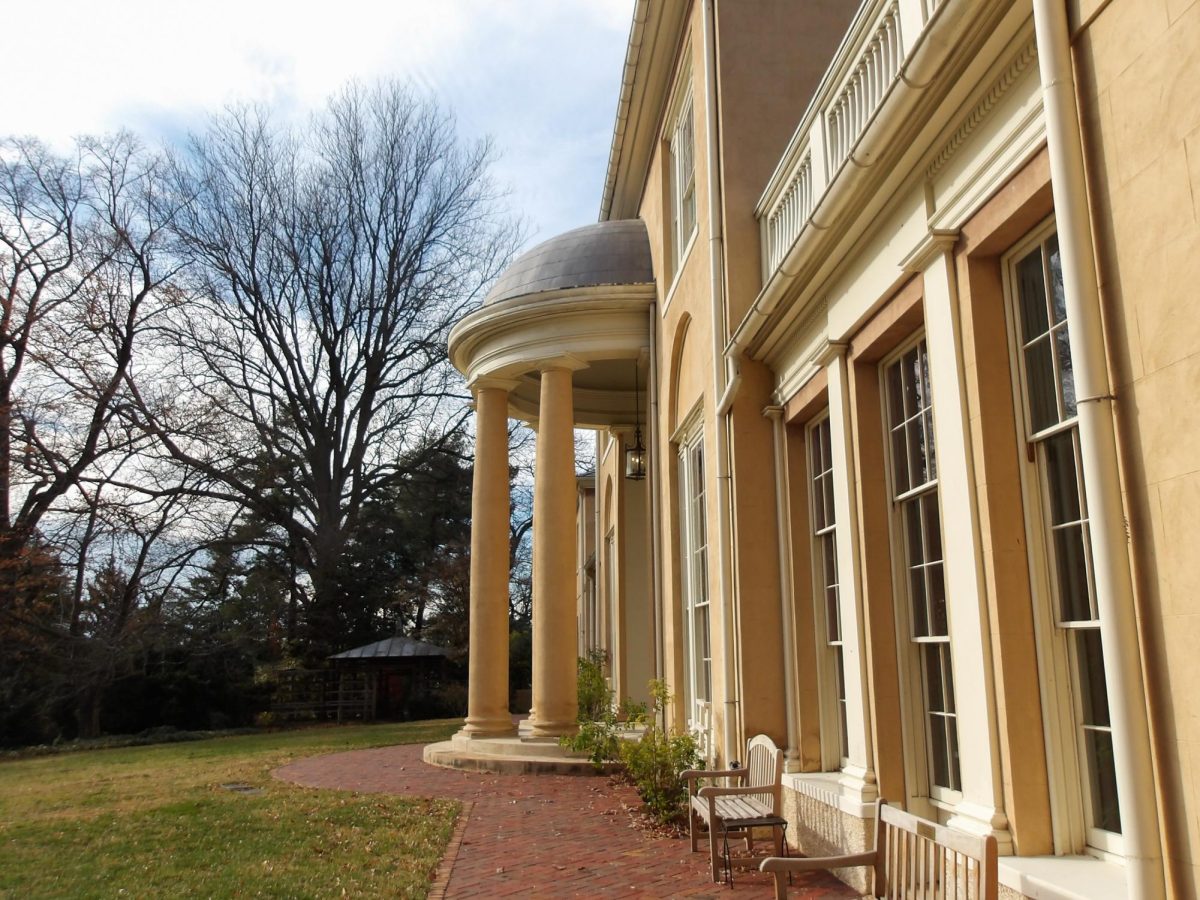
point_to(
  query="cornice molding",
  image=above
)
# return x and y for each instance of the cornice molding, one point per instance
(1024, 60)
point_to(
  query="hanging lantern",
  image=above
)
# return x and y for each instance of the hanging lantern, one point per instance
(635, 456)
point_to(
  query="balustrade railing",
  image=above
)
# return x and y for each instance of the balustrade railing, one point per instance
(856, 83)
(789, 213)
(867, 82)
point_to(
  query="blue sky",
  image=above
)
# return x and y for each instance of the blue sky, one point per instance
(540, 76)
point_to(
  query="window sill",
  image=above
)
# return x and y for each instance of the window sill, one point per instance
(1063, 877)
(828, 788)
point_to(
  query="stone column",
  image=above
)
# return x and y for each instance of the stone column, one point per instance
(487, 686)
(554, 618)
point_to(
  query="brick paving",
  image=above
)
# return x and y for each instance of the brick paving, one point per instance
(542, 835)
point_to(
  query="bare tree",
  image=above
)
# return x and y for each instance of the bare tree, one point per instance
(82, 255)
(84, 268)
(329, 266)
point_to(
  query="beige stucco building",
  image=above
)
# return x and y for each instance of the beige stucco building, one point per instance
(902, 300)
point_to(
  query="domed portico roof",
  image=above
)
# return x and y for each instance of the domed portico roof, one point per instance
(578, 300)
(607, 253)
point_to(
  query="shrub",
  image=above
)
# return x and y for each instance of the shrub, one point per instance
(655, 762)
(601, 739)
(595, 696)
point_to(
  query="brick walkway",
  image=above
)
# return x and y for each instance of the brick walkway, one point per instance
(543, 835)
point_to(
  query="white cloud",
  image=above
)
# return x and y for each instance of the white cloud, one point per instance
(541, 76)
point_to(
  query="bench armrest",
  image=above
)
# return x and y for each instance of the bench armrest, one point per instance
(812, 863)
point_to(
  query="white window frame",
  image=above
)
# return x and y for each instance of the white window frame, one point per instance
(831, 684)
(941, 800)
(694, 579)
(609, 634)
(1070, 802)
(680, 173)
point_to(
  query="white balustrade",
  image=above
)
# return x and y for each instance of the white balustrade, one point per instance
(868, 81)
(857, 81)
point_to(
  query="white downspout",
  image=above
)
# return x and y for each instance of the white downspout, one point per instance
(786, 584)
(721, 384)
(1097, 439)
(653, 489)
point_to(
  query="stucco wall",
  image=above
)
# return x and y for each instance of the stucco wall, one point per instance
(1138, 63)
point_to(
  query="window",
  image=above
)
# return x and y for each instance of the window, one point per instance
(1047, 389)
(825, 577)
(918, 521)
(694, 581)
(683, 181)
(610, 595)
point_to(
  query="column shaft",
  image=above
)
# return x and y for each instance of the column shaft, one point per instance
(554, 616)
(487, 687)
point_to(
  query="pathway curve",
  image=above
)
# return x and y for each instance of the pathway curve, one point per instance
(541, 835)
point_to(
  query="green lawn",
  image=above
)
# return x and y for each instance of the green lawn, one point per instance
(155, 821)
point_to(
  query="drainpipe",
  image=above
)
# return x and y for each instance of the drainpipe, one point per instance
(723, 387)
(1097, 438)
(786, 585)
(653, 487)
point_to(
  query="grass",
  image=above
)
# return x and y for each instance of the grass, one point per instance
(155, 821)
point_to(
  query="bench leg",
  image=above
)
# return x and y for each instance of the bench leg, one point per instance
(714, 849)
(780, 886)
(692, 835)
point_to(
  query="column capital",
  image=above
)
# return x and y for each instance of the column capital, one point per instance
(773, 412)
(492, 382)
(936, 243)
(567, 361)
(828, 352)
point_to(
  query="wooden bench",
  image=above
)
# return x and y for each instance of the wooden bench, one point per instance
(735, 811)
(913, 858)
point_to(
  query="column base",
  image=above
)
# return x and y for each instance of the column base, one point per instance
(552, 729)
(481, 729)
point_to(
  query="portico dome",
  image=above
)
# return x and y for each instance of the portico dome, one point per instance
(607, 253)
(579, 301)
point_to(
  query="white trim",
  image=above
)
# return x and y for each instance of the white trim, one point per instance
(1064, 877)
(832, 789)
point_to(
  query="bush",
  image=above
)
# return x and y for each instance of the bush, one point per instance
(655, 762)
(601, 739)
(594, 694)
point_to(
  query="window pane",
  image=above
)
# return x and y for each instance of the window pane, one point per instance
(931, 462)
(900, 461)
(933, 677)
(937, 600)
(1106, 812)
(939, 750)
(1089, 666)
(1061, 482)
(909, 370)
(933, 527)
(1070, 563)
(1066, 373)
(917, 453)
(948, 680)
(1057, 293)
(955, 769)
(1031, 295)
(1041, 385)
(895, 394)
(916, 589)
